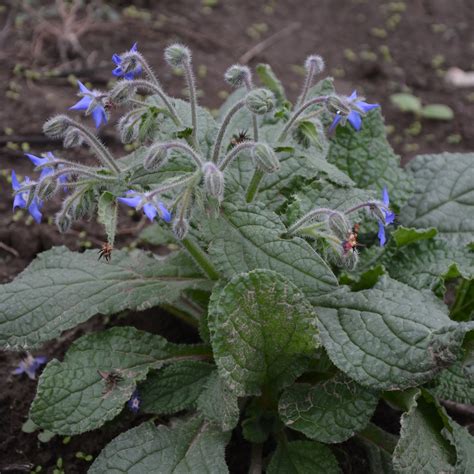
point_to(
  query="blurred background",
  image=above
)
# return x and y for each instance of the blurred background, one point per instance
(405, 55)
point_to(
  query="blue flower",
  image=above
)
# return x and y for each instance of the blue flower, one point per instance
(49, 158)
(29, 365)
(88, 97)
(357, 107)
(389, 217)
(149, 208)
(22, 198)
(119, 72)
(134, 402)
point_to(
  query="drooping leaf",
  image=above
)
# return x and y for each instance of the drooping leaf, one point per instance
(303, 457)
(191, 446)
(368, 159)
(62, 289)
(262, 332)
(444, 196)
(73, 396)
(218, 404)
(107, 215)
(404, 235)
(175, 387)
(421, 447)
(330, 411)
(390, 336)
(246, 238)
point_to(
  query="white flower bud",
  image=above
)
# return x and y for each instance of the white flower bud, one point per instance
(213, 180)
(265, 158)
(177, 55)
(238, 75)
(260, 101)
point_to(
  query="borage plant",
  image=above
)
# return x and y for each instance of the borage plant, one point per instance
(304, 329)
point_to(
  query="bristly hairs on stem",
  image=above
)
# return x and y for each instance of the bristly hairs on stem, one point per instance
(179, 56)
(313, 65)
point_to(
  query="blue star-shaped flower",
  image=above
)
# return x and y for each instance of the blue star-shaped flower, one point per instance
(150, 209)
(49, 158)
(354, 116)
(119, 72)
(22, 198)
(134, 402)
(389, 217)
(29, 365)
(88, 96)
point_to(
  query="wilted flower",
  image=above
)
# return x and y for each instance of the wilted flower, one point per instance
(389, 217)
(134, 402)
(29, 365)
(355, 108)
(21, 199)
(150, 208)
(127, 65)
(91, 103)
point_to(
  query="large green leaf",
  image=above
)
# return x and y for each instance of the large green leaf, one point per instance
(368, 159)
(62, 289)
(421, 447)
(186, 447)
(218, 404)
(463, 442)
(453, 384)
(248, 237)
(391, 336)
(263, 332)
(303, 457)
(73, 397)
(444, 195)
(175, 387)
(331, 411)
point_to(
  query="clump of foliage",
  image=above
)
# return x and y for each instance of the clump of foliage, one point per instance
(315, 297)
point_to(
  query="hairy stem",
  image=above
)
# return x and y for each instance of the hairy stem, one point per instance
(308, 217)
(233, 154)
(298, 112)
(249, 86)
(252, 188)
(188, 149)
(101, 151)
(172, 185)
(200, 257)
(188, 73)
(159, 91)
(307, 84)
(225, 123)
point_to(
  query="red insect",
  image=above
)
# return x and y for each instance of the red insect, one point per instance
(351, 243)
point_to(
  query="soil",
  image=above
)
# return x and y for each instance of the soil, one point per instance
(380, 47)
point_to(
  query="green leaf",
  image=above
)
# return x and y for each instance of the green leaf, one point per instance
(270, 81)
(390, 336)
(444, 196)
(368, 159)
(156, 234)
(175, 387)
(218, 404)
(421, 447)
(243, 239)
(260, 422)
(437, 112)
(331, 411)
(367, 279)
(73, 396)
(406, 102)
(191, 446)
(61, 289)
(404, 236)
(303, 457)
(463, 442)
(452, 384)
(263, 332)
(428, 263)
(107, 215)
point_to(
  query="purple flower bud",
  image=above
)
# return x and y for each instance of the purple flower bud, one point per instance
(29, 365)
(135, 401)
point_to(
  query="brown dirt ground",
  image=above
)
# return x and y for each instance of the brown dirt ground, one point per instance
(379, 47)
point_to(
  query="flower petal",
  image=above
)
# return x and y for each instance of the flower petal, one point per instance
(365, 106)
(99, 116)
(19, 201)
(116, 59)
(353, 95)
(130, 201)
(355, 120)
(36, 160)
(15, 183)
(164, 213)
(82, 104)
(336, 120)
(381, 234)
(150, 211)
(83, 88)
(34, 210)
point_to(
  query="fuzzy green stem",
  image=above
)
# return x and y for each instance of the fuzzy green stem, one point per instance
(200, 258)
(146, 67)
(233, 154)
(253, 185)
(298, 112)
(307, 84)
(308, 217)
(188, 149)
(225, 123)
(171, 185)
(188, 73)
(159, 91)
(101, 151)
(249, 85)
(256, 459)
